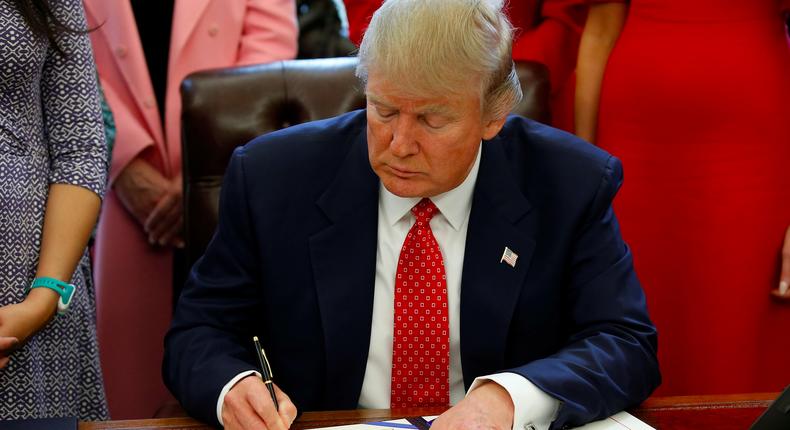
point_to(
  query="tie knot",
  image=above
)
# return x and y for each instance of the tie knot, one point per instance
(424, 210)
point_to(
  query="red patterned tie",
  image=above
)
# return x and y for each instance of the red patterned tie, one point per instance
(421, 340)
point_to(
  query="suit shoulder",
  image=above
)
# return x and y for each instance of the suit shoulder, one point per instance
(553, 167)
(535, 148)
(310, 145)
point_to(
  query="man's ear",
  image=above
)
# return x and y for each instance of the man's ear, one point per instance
(492, 126)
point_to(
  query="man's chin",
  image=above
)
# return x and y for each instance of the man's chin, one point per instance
(405, 188)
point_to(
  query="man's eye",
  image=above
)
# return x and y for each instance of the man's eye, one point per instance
(385, 113)
(434, 121)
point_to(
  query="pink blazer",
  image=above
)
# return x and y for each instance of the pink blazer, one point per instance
(133, 279)
(206, 34)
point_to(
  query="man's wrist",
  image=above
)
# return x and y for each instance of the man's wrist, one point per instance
(227, 387)
(533, 408)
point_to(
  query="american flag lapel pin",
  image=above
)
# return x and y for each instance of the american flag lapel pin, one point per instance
(509, 257)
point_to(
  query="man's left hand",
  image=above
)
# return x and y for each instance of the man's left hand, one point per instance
(488, 406)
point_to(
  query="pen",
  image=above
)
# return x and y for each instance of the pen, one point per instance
(266, 371)
(420, 422)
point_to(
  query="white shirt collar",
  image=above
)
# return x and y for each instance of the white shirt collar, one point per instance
(455, 205)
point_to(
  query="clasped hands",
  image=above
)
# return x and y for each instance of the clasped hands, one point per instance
(249, 406)
(154, 201)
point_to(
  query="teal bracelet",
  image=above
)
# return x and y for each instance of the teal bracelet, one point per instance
(64, 290)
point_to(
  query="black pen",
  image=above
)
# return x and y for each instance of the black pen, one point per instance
(266, 371)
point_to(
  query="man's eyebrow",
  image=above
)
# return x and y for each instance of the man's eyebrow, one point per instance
(436, 109)
(377, 101)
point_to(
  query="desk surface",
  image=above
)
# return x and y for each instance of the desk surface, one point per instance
(730, 412)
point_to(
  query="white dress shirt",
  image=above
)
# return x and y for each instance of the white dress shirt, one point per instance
(534, 409)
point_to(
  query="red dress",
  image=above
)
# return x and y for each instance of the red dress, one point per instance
(696, 103)
(359, 13)
(547, 32)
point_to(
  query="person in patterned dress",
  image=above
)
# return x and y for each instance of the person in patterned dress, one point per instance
(53, 170)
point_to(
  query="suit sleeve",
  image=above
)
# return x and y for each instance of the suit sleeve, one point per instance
(608, 362)
(210, 338)
(270, 32)
(132, 137)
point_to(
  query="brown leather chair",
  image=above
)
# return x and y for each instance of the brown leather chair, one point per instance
(225, 108)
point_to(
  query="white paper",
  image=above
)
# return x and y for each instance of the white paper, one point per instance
(371, 426)
(620, 421)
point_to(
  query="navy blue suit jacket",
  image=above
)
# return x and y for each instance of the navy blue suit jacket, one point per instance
(293, 261)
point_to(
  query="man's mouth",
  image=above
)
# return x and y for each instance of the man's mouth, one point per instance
(402, 173)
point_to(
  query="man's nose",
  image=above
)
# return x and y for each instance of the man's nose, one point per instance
(404, 136)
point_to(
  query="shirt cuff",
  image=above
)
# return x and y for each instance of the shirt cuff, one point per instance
(533, 408)
(227, 388)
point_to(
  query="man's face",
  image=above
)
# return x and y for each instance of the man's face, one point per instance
(422, 147)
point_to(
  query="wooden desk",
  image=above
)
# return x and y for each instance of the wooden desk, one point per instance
(732, 412)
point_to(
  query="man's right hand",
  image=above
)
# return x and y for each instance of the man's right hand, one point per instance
(249, 406)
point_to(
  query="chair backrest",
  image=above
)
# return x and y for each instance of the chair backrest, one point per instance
(226, 108)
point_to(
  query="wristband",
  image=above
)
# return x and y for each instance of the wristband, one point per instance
(64, 290)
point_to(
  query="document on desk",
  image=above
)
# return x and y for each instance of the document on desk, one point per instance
(620, 421)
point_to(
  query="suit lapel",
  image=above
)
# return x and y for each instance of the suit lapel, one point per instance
(500, 217)
(186, 15)
(344, 267)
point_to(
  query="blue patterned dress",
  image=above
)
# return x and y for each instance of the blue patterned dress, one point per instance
(50, 132)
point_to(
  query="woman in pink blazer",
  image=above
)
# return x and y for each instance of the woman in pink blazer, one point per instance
(140, 221)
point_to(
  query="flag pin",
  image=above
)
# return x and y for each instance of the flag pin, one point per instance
(509, 257)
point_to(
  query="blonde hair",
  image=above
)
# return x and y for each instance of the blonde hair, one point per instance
(440, 47)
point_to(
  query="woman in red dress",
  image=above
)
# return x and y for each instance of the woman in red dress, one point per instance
(547, 32)
(693, 98)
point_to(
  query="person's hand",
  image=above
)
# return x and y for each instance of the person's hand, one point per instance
(488, 406)
(7, 344)
(166, 220)
(249, 406)
(139, 187)
(22, 320)
(783, 291)
(153, 200)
